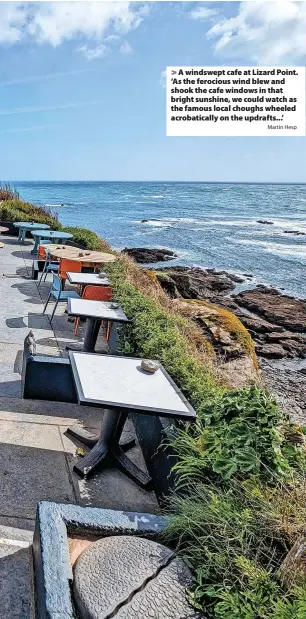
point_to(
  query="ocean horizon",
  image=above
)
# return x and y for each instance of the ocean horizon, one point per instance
(211, 224)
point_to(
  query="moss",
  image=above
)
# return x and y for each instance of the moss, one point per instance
(231, 323)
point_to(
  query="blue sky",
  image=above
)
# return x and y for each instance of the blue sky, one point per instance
(82, 91)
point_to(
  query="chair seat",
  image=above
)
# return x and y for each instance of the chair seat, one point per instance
(52, 267)
(69, 294)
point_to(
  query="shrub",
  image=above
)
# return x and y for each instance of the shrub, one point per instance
(238, 433)
(17, 210)
(87, 238)
(7, 193)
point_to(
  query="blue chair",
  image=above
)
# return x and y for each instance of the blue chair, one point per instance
(49, 267)
(59, 294)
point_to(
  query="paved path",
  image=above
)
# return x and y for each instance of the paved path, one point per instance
(36, 456)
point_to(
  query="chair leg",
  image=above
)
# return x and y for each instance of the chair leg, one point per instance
(76, 325)
(55, 306)
(42, 274)
(48, 299)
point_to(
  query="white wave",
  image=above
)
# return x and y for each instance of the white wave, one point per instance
(164, 197)
(297, 251)
(53, 205)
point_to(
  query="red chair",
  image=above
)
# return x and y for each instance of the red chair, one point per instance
(95, 293)
(72, 266)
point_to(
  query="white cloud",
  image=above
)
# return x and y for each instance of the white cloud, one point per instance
(202, 13)
(93, 52)
(56, 22)
(126, 48)
(263, 32)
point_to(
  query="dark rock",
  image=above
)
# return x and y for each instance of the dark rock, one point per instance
(144, 255)
(196, 283)
(263, 221)
(258, 325)
(235, 278)
(298, 232)
(280, 309)
(271, 351)
(144, 221)
(248, 275)
(285, 335)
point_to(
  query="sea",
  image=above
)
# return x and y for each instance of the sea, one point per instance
(213, 225)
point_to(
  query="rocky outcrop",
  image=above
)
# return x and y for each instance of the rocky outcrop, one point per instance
(264, 221)
(194, 283)
(296, 232)
(231, 341)
(144, 255)
(277, 308)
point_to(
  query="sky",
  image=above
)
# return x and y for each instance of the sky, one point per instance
(82, 88)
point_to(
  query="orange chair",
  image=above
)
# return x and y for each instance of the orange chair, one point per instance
(95, 293)
(41, 254)
(68, 265)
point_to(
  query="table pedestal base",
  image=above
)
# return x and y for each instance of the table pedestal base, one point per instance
(108, 449)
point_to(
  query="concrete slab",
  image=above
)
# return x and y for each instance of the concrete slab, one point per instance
(42, 411)
(109, 488)
(16, 578)
(33, 468)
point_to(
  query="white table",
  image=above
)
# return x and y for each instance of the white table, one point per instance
(87, 279)
(119, 385)
(94, 312)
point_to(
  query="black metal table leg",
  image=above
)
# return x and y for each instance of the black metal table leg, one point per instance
(130, 469)
(91, 335)
(90, 439)
(107, 447)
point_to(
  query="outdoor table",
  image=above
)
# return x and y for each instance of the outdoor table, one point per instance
(54, 235)
(119, 385)
(87, 279)
(90, 258)
(25, 226)
(94, 312)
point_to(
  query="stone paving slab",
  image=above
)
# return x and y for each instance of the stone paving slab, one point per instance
(109, 488)
(33, 468)
(16, 582)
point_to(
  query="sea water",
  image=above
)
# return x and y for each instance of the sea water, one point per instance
(206, 224)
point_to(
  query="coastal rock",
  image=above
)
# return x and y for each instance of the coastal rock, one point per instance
(143, 255)
(193, 282)
(260, 326)
(264, 221)
(271, 351)
(230, 339)
(297, 232)
(280, 309)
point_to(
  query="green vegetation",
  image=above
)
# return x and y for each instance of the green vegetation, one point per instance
(88, 239)
(240, 504)
(17, 210)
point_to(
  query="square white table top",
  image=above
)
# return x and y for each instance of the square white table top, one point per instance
(87, 278)
(96, 309)
(119, 382)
